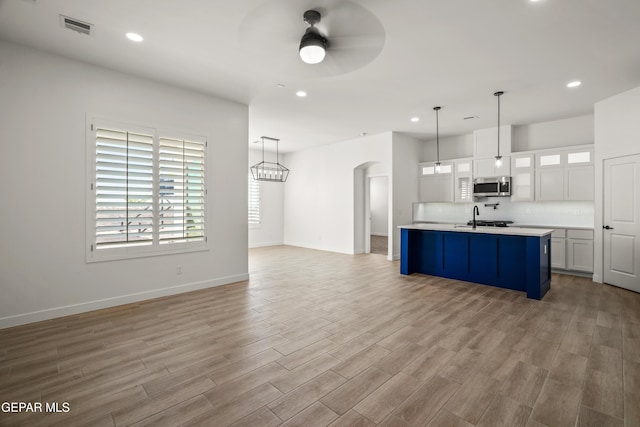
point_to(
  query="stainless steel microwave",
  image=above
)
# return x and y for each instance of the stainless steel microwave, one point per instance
(486, 187)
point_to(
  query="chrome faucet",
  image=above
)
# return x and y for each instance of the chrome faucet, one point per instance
(475, 212)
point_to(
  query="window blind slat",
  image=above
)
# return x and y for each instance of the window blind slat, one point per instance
(124, 188)
(181, 173)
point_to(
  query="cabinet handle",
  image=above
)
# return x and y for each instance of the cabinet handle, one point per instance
(606, 227)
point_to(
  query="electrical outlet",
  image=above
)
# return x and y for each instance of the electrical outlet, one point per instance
(179, 269)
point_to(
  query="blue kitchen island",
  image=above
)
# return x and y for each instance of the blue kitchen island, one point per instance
(511, 258)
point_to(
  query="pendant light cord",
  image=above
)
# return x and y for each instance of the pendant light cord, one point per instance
(498, 94)
(498, 125)
(437, 137)
(437, 109)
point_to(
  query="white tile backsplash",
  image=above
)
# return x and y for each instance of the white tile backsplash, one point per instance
(560, 214)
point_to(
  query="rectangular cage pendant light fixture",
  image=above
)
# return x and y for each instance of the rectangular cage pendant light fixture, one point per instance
(269, 171)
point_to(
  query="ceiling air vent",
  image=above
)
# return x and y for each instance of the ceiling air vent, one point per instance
(76, 25)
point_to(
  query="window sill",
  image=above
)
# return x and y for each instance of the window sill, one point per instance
(102, 255)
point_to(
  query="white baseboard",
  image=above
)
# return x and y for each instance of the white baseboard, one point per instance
(264, 244)
(52, 313)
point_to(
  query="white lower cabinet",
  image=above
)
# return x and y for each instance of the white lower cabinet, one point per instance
(572, 250)
(558, 253)
(580, 250)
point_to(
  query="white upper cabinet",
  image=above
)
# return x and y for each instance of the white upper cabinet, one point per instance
(485, 142)
(486, 168)
(522, 177)
(463, 181)
(550, 159)
(436, 186)
(580, 175)
(580, 157)
(579, 183)
(565, 174)
(427, 169)
(550, 184)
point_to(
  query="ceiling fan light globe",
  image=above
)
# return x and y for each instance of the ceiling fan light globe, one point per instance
(312, 54)
(312, 47)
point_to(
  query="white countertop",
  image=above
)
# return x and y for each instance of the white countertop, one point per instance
(554, 227)
(462, 228)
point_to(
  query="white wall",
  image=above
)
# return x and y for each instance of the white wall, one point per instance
(558, 133)
(536, 136)
(404, 185)
(617, 134)
(43, 273)
(379, 204)
(270, 231)
(319, 198)
(453, 147)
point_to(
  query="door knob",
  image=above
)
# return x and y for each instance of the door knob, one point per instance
(606, 227)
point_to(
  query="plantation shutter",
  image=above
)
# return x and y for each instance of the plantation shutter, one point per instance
(123, 188)
(254, 201)
(181, 190)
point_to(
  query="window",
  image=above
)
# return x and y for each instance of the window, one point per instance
(147, 191)
(254, 200)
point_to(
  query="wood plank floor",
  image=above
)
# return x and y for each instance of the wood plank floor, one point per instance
(318, 339)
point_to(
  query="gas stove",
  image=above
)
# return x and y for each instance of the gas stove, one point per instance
(483, 223)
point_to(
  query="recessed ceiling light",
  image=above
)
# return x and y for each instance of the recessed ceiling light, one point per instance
(415, 119)
(301, 93)
(134, 37)
(574, 83)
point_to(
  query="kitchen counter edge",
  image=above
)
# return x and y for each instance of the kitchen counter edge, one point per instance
(459, 228)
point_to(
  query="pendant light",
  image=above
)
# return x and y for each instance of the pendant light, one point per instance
(498, 157)
(436, 109)
(269, 171)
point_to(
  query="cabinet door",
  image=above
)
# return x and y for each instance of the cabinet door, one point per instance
(483, 168)
(550, 184)
(550, 159)
(580, 157)
(579, 183)
(522, 174)
(580, 255)
(437, 188)
(558, 253)
(463, 167)
(486, 168)
(485, 141)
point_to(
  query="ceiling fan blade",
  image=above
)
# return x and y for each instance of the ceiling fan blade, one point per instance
(271, 33)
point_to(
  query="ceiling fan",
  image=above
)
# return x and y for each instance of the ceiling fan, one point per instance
(341, 36)
(313, 44)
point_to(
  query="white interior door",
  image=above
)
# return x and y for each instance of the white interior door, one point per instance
(622, 222)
